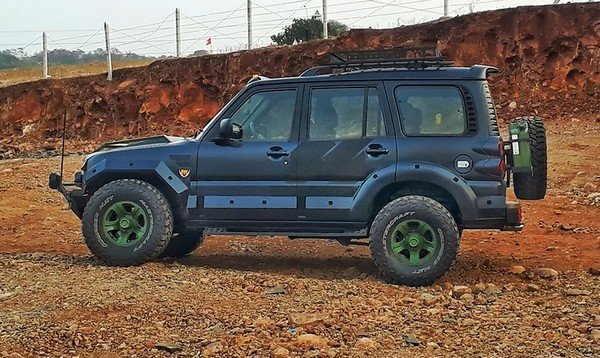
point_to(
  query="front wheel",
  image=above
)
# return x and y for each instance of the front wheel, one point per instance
(127, 222)
(414, 240)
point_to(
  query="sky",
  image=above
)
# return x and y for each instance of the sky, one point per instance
(148, 26)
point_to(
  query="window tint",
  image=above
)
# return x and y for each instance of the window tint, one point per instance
(267, 116)
(429, 110)
(345, 113)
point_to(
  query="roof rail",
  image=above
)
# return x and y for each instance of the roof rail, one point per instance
(407, 57)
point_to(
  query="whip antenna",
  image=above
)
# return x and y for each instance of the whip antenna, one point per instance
(62, 152)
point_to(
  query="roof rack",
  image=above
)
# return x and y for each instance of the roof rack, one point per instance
(407, 57)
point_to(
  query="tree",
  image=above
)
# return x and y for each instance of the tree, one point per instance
(302, 30)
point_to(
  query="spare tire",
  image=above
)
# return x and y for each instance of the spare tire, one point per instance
(532, 185)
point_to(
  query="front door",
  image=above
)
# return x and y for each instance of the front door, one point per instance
(253, 178)
(346, 137)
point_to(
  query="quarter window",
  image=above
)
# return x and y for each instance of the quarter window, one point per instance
(431, 110)
(345, 113)
(267, 116)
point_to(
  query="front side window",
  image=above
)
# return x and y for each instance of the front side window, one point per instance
(267, 116)
(431, 110)
(345, 113)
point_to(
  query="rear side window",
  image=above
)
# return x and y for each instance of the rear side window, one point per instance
(431, 110)
(345, 113)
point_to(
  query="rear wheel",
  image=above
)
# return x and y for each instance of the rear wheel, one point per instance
(532, 186)
(127, 222)
(414, 240)
(183, 244)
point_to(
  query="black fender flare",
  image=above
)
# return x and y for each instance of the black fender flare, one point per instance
(425, 172)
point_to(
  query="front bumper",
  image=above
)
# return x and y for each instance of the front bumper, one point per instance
(73, 192)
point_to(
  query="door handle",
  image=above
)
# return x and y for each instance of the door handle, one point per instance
(277, 152)
(376, 150)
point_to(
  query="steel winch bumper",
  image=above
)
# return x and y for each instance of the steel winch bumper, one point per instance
(74, 192)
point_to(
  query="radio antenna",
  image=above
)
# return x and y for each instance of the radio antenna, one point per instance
(62, 153)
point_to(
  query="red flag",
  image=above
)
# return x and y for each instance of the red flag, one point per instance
(209, 41)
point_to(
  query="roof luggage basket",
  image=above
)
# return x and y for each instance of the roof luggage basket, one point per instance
(416, 58)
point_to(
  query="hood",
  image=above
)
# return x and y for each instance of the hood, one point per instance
(161, 139)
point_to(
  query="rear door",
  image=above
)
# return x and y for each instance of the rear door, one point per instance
(346, 136)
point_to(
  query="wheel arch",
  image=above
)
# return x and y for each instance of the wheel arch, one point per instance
(151, 177)
(432, 181)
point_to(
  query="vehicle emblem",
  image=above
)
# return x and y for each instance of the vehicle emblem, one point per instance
(184, 172)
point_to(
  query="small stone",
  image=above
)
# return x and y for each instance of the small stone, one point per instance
(594, 271)
(491, 289)
(551, 248)
(545, 272)
(512, 105)
(411, 339)
(467, 297)
(517, 270)
(481, 300)
(277, 290)
(577, 292)
(204, 280)
(281, 352)
(305, 320)
(168, 347)
(595, 334)
(262, 322)
(458, 291)
(431, 346)
(311, 341)
(366, 344)
(6, 295)
(427, 298)
(478, 288)
(532, 287)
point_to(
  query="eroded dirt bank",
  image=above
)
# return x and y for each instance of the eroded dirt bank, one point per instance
(548, 56)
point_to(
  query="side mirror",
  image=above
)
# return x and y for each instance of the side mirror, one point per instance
(230, 130)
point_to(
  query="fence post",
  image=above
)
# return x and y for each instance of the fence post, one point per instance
(178, 32)
(45, 54)
(325, 30)
(445, 8)
(108, 55)
(249, 24)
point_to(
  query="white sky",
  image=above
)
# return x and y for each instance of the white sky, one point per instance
(137, 25)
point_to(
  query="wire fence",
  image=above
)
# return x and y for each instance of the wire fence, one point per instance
(227, 31)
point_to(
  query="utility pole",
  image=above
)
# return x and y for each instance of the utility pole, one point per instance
(108, 56)
(445, 8)
(556, 1)
(325, 31)
(178, 32)
(249, 24)
(45, 54)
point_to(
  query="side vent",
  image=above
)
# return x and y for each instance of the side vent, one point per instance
(491, 110)
(470, 112)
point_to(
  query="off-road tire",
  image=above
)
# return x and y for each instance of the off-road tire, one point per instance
(183, 244)
(414, 207)
(532, 186)
(159, 222)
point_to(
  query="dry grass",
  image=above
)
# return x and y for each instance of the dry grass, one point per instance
(11, 77)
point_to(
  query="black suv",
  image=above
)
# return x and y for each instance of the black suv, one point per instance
(404, 151)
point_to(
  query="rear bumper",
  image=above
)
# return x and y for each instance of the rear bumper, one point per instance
(73, 192)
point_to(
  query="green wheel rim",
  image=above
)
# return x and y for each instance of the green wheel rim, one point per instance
(125, 223)
(414, 242)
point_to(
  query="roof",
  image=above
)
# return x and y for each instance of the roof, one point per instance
(476, 72)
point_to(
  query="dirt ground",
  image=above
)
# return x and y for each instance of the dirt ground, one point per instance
(238, 296)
